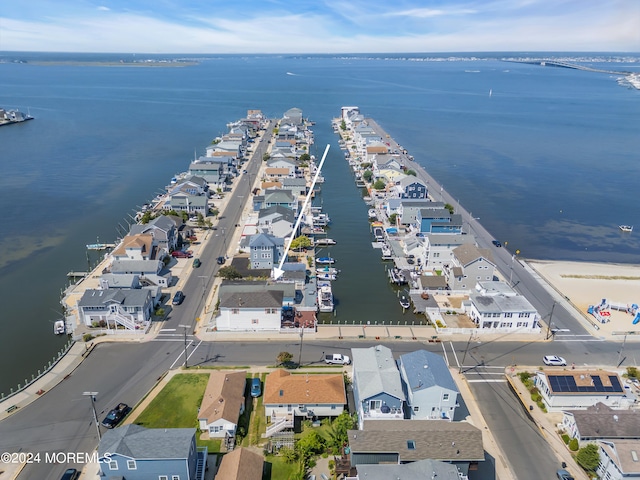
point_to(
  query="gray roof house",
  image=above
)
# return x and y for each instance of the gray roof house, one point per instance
(469, 265)
(192, 204)
(162, 228)
(409, 208)
(440, 247)
(404, 441)
(497, 305)
(274, 197)
(293, 116)
(298, 186)
(213, 169)
(601, 422)
(137, 453)
(265, 250)
(277, 221)
(431, 391)
(420, 470)
(377, 387)
(130, 308)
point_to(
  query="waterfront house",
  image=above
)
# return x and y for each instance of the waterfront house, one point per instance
(410, 186)
(419, 470)
(405, 441)
(240, 464)
(439, 248)
(136, 247)
(192, 185)
(409, 208)
(601, 422)
(275, 173)
(222, 404)
(131, 281)
(277, 221)
(297, 186)
(468, 266)
(282, 162)
(432, 394)
(116, 308)
(265, 250)
(430, 220)
(163, 229)
(272, 197)
(579, 389)
(498, 306)
(185, 202)
(139, 255)
(137, 453)
(253, 306)
(377, 386)
(293, 116)
(305, 396)
(619, 459)
(215, 170)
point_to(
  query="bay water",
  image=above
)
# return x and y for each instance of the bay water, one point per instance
(547, 158)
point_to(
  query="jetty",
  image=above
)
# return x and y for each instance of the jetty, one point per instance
(9, 117)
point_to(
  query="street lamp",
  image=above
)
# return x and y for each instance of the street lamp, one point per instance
(185, 345)
(92, 399)
(549, 330)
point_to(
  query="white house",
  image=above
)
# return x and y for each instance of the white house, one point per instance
(619, 459)
(432, 393)
(498, 306)
(222, 404)
(600, 422)
(113, 307)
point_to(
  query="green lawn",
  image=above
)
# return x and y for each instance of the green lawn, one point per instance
(277, 469)
(176, 406)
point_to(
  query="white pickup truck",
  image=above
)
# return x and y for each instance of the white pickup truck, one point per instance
(337, 359)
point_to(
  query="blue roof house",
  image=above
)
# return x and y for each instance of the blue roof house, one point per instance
(137, 453)
(432, 393)
(438, 221)
(377, 387)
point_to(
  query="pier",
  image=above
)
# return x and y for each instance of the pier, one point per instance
(575, 66)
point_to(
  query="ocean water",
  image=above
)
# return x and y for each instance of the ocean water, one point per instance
(548, 161)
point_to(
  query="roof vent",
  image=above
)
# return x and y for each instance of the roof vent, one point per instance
(616, 418)
(634, 455)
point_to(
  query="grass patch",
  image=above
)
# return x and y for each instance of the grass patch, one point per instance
(277, 468)
(213, 445)
(176, 406)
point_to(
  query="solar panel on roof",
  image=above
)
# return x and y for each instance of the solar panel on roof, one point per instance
(567, 384)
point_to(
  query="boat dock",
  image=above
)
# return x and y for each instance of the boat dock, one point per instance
(73, 274)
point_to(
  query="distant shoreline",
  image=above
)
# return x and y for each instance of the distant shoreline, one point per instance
(111, 64)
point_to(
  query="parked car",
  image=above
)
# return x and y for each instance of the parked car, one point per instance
(496, 243)
(196, 263)
(115, 415)
(181, 254)
(221, 260)
(554, 361)
(178, 298)
(337, 358)
(70, 474)
(256, 387)
(564, 475)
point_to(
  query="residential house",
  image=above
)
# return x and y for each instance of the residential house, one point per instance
(411, 186)
(130, 281)
(136, 247)
(468, 266)
(297, 186)
(600, 422)
(619, 460)
(293, 116)
(277, 221)
(432, 393)
(163, 230)
(222, 405)
(116, 307)
(253, 306)
(191, 185)
(498, 306)
(439, 248)
(419, 470)
(409, 208)
(266, 250)
(184, 202)
(241, 464)
(288, 395)
(274, 173)
(274, 197)
(137, 453)
(404, 441)
(281, 162)
(430, 220)
(377, 387)
(573, 389)
(214, 170)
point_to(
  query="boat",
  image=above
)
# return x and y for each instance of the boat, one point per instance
(397, 276)
(626, 228)
(325, 241)
(325, 297)
(386, 253)
(372, 213)
(325, 261)
(405, 301)
(9, 117)
(59, 328)
(321, 219)
(326, 276)
(378, 233)
(327, 269)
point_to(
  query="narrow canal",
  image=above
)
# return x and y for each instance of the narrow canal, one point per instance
(363, 294)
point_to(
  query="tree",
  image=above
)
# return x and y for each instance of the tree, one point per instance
(284, 358)
(379, 185)
(588, 457)
(338, 432)
(573, 445)
(289, 454)
(449, 207)
(305, 157)
(411, 172)
(367, 175)
(229, 273)
(343, 125)
(311, 444)
(392, 218)
(146, 217)
(301, 242)
(200, 221)
(266, 157)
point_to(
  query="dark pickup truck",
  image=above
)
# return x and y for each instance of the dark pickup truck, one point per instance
(115, 416)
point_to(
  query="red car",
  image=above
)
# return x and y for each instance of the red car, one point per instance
(181, 254)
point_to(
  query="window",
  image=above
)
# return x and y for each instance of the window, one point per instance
(235, 311)
(131, 465)
(333, 407)
(508, 315)
(375, 404)
(163, 477)
(113, 465)
(254, 321)
(445, 397)
(411, 444)
(175, 477)
(416, 408)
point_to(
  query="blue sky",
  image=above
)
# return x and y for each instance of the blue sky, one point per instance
(321, 26)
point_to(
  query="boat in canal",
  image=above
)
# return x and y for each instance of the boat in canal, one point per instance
(372, 214)
(325, 261)
(397, 276)
(326, 276)
(59, 328)
(626, 228)
(325, 297)
(323, 242)
(405, 300)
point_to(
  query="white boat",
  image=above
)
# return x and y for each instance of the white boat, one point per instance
(626, 228)
(372, 213)
(325, 241)
(326, 276)
(405, 301)
(321, 219)
(325, 261)
(327, 269)
(386, 253)
(397, 276)
(325, 297)
(59, 328)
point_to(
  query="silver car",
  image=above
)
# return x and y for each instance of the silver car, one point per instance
(554, 361)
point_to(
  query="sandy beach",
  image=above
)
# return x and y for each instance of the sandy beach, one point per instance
(587, 284)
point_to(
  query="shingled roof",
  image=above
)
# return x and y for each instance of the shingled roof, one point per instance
(602, 422)
(223, 396)
(419, 439)
(281, 387)
(240, 464)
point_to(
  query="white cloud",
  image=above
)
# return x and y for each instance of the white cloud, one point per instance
(430, 12)
(104, 9)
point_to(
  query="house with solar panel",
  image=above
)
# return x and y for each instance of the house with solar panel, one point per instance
(579, 389)
(377, 386)
(432, 394)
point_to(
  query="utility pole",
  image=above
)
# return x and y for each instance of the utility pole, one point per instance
(621, 350)
(301, 338)
(185, 345)
(92, 399)
(465, 353)
(549, 322)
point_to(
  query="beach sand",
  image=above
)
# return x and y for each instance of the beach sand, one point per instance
(585, 284)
